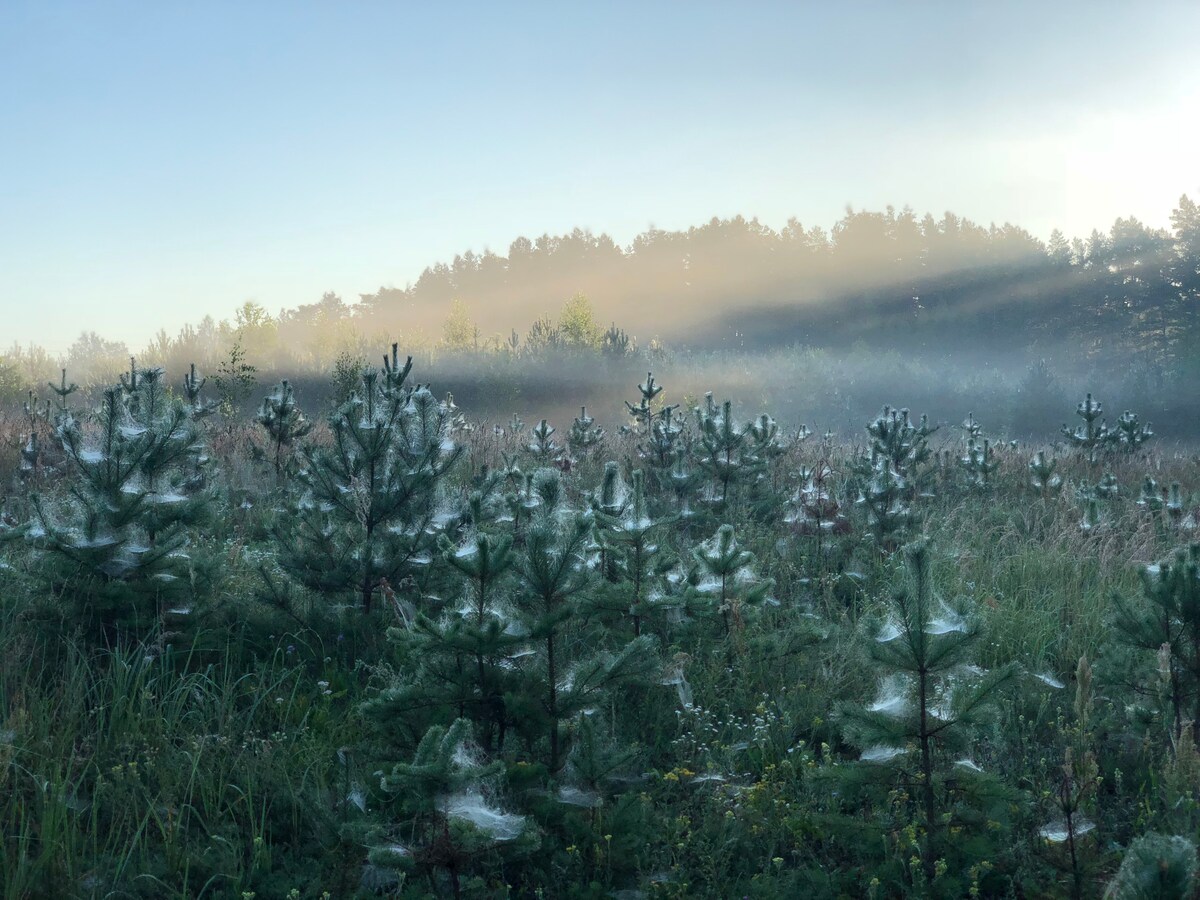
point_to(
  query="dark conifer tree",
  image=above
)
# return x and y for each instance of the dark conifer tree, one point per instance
(193, 394)
(370, 511)
(1166, 622)
(629, 537)
(1042, 475)
(283, 422)
(1091, 435)
(919, 728)
(726, 448)
(461, 660)
(727, 579)
(119, 542)
(584, 436)
(448, 826)
(553, 578)
(642, 412)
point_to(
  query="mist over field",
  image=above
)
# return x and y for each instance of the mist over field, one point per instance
(820, 326)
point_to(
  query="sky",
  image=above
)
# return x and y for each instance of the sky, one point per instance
(161, 162)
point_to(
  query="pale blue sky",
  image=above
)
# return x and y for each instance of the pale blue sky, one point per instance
(161, 161)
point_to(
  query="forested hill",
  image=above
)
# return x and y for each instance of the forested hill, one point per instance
(945, 288)
(874, 276)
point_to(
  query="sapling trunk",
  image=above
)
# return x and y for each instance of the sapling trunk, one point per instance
(552, 704)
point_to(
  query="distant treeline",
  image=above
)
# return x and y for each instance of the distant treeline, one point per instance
(961, 299)
(886, 278)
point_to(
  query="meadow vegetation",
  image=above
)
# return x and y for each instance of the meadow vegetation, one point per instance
(382, 649)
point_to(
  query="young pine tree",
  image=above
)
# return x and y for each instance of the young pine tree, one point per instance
(816, 513)
(1156, 866)
(193, 394)
(978, 462)
(584, 436)
(615, 344)
(885, 496)
(764, 451)
(447, 826)
(683, 483)
(1074, 786)
(116, 547)
(62, 391)
(892, 474)
(727, 578)
(283, 422)
(1042, 476)
(37, 420)
(1167, 623)
(629, 538)
(370, 510)
(903, 445)
(553, 576)
(460, 661)
(1092, 434)
(1131, 433)
(931, 696)
(607, 504)
(727, 450)
(543, 448)
(659, 431)
(665, 431)
(642, 412)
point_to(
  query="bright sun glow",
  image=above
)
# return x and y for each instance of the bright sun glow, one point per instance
(1139, 162)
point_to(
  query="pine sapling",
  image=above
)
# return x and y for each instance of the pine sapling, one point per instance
(1167, 623)
(62, 391)
(1092, 434)
(371, 506)
(284, 423)
(458, 660)
(447, 820)
(1156, 865)
(629, 536)
(642, 412)
(665, 430)
(584, 435)
(815, 511)
(1131, 434)
(553, 578)
(728, 578)
(972, 430)
(1075, 787)
(727, 450)
(1042, 475)
(552, 572)
(931, 696)
(119, 543)
(457, 418)
(885, 498)
(683, 483)
(37, 420)
(193, 388)
(904, 445)
(543, 448)
(978, 462)
(615, 343)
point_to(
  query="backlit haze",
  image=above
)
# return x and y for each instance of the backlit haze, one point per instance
(163, 162)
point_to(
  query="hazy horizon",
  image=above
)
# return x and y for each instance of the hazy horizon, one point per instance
(175, 162)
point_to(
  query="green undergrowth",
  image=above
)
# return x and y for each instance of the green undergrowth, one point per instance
(698, 658)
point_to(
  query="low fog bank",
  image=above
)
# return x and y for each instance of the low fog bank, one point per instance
(942, 316)
(838, 391)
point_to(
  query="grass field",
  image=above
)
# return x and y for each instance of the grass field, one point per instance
(645, 711)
